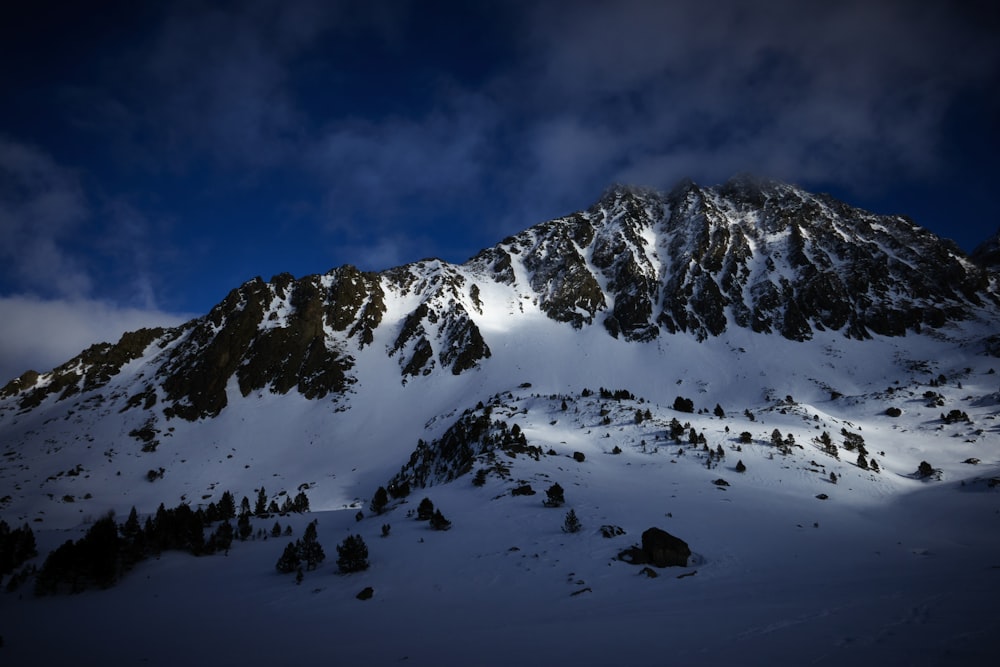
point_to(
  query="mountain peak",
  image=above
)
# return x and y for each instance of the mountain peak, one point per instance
(752, 253)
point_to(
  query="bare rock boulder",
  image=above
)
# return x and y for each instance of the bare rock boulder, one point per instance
(663, 549)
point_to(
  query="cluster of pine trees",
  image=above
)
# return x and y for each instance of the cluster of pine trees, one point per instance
(617, 394)
(306, 552)
(454, 454)
(108, 550)
(16, 546)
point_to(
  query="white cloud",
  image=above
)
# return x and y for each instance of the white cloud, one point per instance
(39, 335)
(850, 92)
(42, 206)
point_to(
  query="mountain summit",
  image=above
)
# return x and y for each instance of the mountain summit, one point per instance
(754, 254)
(788, 407)
(610, 294)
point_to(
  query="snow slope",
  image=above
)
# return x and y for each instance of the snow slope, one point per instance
(880, 566)
(887, 568)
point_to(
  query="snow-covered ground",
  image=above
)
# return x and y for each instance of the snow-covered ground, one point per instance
(887, 568)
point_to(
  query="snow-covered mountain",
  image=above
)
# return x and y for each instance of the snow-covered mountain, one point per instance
(633, 353)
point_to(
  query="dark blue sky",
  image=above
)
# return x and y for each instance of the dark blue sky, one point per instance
(155, 155)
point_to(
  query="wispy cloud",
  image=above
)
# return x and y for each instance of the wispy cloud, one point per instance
(42, 207)
(383, 168)
(378, 140)
(54, 258)
(38, 334)
(844, 92)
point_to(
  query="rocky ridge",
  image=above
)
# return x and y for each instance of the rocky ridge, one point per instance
(754, 254)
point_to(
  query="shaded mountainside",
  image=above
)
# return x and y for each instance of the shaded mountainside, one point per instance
(753, 254)
(987, 253)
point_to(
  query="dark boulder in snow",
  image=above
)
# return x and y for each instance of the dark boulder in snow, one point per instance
(366, 594)
(659, 548)
(663, 549)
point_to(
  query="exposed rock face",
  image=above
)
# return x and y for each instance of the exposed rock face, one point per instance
(91, 369)
(773, 258)
(756, 254)
(750, 253)
(442, 321)
(278, 335)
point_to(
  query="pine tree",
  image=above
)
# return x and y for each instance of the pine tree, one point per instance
(554, 496)
(425, 510)
(134, 543)
(719, 412)
(260, 507)
(352, 554)
(310, 550)
(380, 500)
(862, 462)
(289, 560)
(223, 536)
(740, 467)
(571, 524)
(438, 522)
(301, 502)
(227, 506)
(243, 527)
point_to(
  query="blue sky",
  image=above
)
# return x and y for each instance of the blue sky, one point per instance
(155, 155)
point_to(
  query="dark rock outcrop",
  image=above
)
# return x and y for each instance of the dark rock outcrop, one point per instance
(751, 253)
(665, 550)
(659, 549)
